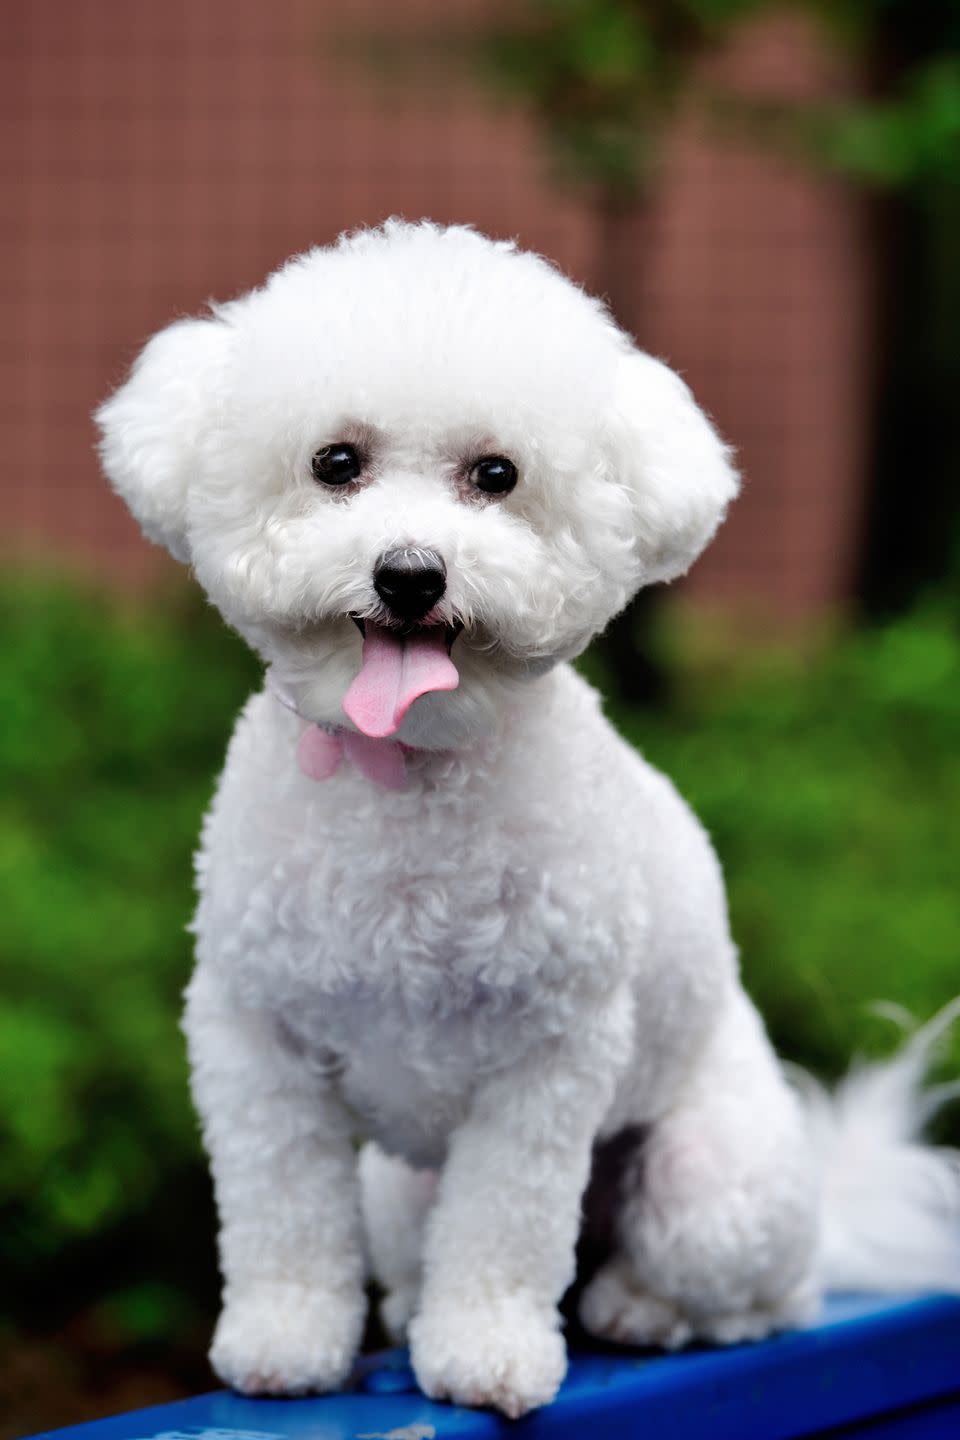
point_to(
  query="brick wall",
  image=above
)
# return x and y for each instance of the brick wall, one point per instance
(155, 155)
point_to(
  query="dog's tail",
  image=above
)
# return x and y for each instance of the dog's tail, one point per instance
(891, 1216)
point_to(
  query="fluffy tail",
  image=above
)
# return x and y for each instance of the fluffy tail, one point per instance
(891, 1202)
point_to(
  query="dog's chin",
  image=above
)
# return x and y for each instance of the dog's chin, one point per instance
(312, 668)
(492, 683)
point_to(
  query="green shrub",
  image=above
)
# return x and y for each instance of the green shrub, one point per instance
(831, 787)
(113, 721)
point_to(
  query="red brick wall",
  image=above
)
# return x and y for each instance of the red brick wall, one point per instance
(761, 292)
(158, 154)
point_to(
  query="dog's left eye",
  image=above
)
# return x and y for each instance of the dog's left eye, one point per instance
(494, 475)
(336, 465)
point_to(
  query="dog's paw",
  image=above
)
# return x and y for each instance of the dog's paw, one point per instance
(286, 1340)
(796, 1307)
(506, 1353)
(613, 1309)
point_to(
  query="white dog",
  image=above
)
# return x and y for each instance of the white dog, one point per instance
(443, 907)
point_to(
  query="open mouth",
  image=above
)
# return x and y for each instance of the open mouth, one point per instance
(400, 664)
(404, 631)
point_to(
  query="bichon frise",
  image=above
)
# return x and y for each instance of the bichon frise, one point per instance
(443, 907)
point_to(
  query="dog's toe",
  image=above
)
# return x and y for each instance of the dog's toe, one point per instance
(285, 1340)
(612, 1308)
(505, 1354)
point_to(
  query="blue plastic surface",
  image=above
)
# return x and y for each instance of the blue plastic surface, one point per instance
(924, 1422)
(877, 1366)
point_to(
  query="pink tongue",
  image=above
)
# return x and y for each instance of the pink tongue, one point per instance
(396, 670)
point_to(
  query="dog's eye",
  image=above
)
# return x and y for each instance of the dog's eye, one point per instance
(336, 465)
(494, 475)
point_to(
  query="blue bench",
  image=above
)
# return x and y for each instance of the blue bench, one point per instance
(870, 1367)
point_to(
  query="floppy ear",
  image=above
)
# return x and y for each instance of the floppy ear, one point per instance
(673, 463)
(153, 427)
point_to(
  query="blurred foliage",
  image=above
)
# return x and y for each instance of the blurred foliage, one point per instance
(901, 127)
(830, 784)
(112, 728)
(603, 77)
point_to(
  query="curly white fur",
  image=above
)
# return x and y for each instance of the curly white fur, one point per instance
(527, 949)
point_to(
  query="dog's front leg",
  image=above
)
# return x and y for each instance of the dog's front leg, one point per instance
(499, 1249)
(283, 1166)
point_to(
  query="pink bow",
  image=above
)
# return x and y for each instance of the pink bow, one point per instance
(319, 753)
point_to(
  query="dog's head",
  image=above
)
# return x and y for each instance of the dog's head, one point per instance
(427, 435)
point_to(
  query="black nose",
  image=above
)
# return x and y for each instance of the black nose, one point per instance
(410, 581)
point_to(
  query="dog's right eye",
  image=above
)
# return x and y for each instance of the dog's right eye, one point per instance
(336, 465)
(494, 475)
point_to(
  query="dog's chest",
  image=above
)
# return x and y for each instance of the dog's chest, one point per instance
(439, 944)
(410, 955)
(444, 896)
(407, 1057)
(411, 943)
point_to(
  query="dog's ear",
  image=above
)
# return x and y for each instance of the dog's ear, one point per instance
(152, 428)
(677, 470)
